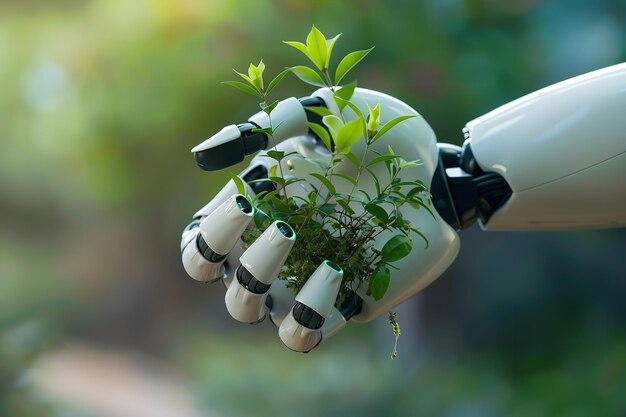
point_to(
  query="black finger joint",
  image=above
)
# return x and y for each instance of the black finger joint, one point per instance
(206, 252)
(306, 316)
(249, 282)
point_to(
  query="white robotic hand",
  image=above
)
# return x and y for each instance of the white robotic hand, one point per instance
(485, 181)
(211, 245)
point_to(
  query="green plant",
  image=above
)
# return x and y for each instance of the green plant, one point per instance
(340, 226)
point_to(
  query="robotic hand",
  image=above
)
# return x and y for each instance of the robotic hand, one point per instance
(555, 159)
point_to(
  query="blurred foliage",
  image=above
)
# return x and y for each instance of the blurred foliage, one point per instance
(100, 102)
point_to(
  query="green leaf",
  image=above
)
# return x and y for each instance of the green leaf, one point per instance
(391, 124)
(346, 207)
(261, 220)
(397, 183)
(321, 133)
(348, 135)
(316, 45)
(326, 208)
(322, 111)
(366, 195)
(377, 211)
(245, 77)
(373, 121)
(278, 180)
(396, 248)
(347, 178)
(379, 282)
(299, 46)
(343, 95)
(296, 219)
(399, 220)
(420, 234)
(268, 109)
(276, 80)
(334, 125)
(414, 191)
(256, 75)
(355, 109)
(239, 183)
(256, 71)
(243, 87)
(277, 155)
(266, 130)
(330, 43)
(308, 75)
(325, 181)
(376, 181)
(381, 158)
(268, 196)
(354, 159)
(411, 164)
(348, 62)
(417, 203)
(294, 180)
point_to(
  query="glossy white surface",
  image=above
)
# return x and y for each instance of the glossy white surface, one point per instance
(222, 228)
(333, 324)
(321, 289)
(297, 337)
(227, 134)
(282, 301)
(197, 267)
(592, 198)
(266, 256)
(561, 151)
(243, 305)
(288, 120)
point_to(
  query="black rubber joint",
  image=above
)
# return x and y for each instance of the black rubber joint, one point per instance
(307, 317)
(249, 282)
(208, 253)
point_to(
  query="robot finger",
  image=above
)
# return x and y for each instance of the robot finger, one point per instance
(231, 144)
(210, 242)
(259, 267)
(313, 315)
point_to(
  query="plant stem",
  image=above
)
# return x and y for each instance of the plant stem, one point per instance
(280, 167)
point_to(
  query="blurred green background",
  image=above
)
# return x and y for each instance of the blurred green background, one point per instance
(100, 102)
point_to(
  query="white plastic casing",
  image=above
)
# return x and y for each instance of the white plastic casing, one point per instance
(263, 259)
(562, 150)
(319, 293)
(297, 337)
(220, 230)
(301, 339)
(225, 135)
(321, 289)
(243, 305)
(288, 120)
(223, 228)
(267, 255)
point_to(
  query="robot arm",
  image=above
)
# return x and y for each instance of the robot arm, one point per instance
(556, 158)
(553, 159)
